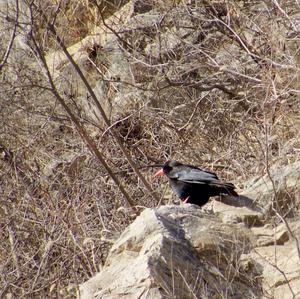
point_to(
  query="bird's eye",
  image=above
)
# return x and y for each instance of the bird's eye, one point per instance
(167, 168)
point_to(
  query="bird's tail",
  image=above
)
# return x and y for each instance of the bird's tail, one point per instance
(226, 188)
(229, 189)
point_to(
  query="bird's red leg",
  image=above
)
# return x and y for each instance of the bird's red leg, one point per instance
(185, 201)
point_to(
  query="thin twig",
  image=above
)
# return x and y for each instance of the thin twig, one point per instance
(193, 113)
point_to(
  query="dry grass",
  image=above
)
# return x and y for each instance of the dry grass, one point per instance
(223, 96)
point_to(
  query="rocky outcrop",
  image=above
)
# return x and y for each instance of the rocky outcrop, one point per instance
(276, 259)
(277, 191)
(134, 45)
(174, 251)
(219, 251)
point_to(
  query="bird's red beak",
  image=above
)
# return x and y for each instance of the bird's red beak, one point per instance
(159, 173)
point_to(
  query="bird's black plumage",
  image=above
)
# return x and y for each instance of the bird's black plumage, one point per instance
(194, 185)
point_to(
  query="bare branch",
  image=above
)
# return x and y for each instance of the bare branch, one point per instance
(91, 144)
(103, 114)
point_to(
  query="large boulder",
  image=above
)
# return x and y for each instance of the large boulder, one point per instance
(175, 251)
(276, 260)
(278, 190)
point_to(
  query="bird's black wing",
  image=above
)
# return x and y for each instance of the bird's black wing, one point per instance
(193, 175)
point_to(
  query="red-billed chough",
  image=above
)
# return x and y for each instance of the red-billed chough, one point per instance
(192, 184)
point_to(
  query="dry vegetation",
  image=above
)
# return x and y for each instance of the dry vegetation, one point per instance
(220, 86)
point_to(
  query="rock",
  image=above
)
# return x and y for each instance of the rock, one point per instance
(275, 258)
(105, 66)
(279, 268)
(270, 236)
(286, 182)
(142, 6)
(174, 251)
(183, 252)
(230, 214)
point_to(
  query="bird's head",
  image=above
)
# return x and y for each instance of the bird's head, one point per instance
(167, 168)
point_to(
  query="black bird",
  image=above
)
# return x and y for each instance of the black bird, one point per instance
(192, 184)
